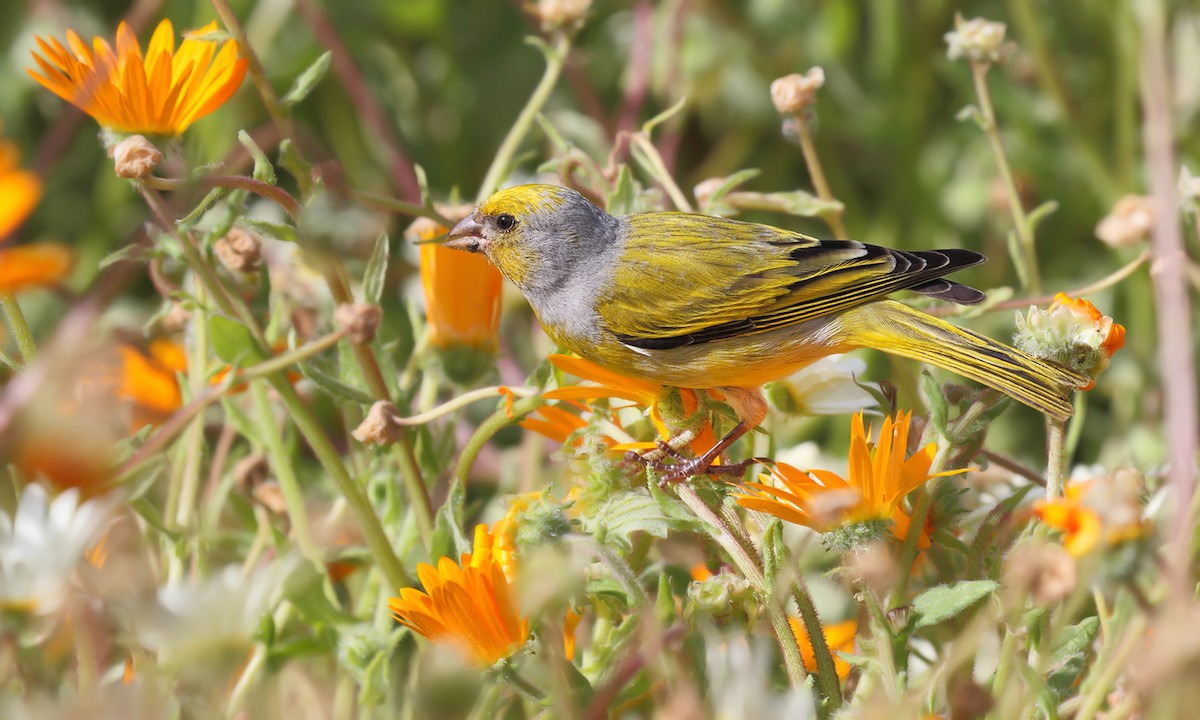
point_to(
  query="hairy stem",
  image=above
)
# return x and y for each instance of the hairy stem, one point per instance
(812, 159)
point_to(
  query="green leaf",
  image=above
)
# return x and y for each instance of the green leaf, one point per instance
(276, 231)
(448, 539)
(935, 400)
(629, 512)
(664, 116)
(231, 340)
(580, 688)
(307, 80)
(795, 202)
(1070, 657)
(664, 602)
(264, 171)
(621, 201)
(132, 253)
(336, 388)
(376, 274)
(714, 200)
(943, 602)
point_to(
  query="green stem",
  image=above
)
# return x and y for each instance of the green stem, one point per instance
(620, 570)
(254, 666)
(813, 160)
(487, 429)
(189, 484)
(1025, 255)
(402, 207)
(19, 326)
(826, 669)
(555, 58)
(1056, 458)
(377, 539)
(285, 473)
(489, 703)
(1008, 653)
(652, 162)
(751, 569)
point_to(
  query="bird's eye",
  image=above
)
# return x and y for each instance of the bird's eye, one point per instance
(506, 222)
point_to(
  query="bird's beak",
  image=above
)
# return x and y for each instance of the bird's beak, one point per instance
(467, 235)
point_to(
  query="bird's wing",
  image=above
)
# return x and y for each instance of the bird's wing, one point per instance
(687, 279)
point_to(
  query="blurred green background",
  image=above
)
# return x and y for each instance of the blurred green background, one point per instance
(451, 77)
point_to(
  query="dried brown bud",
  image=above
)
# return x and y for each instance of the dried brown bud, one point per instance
(251, 470)
(792, 93)
(271, 496)
(1045, 571)
(239, 251)
(978, 40)
(135, 157)
(176, 319)
(970, 701)
(380, 426)
(359, 320)
(1129, 222)
(561, 14)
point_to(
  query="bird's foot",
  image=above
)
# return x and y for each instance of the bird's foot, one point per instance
(685, 467)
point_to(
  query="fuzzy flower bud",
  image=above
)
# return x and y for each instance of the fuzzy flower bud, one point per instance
(380, 427)
(239, 251)
(978, 40)
(134, 157)
(792, 93)
(1070, 332)
(1129, 222)
(561, 14)
(724, 597)
(359, 320)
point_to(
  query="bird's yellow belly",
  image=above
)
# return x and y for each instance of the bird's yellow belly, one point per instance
(745, 361)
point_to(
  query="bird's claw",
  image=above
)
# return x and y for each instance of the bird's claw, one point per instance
(686, 467)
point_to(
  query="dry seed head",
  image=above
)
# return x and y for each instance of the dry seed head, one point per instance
(978, 40)
(271, 496)
(792, 93)
(359, 320)
(557, 15)
(1129, 222)
(380, 427)
(239, 251)
(135, 157)
(1045, 571)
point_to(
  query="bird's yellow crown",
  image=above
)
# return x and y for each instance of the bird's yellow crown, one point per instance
(524, 200)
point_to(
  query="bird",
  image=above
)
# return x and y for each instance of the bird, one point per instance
(704, 302)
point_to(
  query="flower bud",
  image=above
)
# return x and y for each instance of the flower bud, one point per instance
(359, 320)
(462, 301)
(380, 427)
(556, 15)
(725, 597)
(1070, 332)
(135, 157)
(978, 40)
(792, 93)
(239, 251)
(1129, 222)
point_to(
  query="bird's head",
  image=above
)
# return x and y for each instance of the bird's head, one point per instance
(536, 234)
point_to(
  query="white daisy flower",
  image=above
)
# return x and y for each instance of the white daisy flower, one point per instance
(827, 387)
(41, 545)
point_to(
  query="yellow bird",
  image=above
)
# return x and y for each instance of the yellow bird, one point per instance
(696, 301)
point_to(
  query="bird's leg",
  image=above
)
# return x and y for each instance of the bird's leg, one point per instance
(751, 408)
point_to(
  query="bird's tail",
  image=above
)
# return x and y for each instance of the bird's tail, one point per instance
(900, 330)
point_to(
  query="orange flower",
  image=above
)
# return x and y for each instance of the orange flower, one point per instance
(839, 637)
(20, 191)
(1093, 511)
(161, 93)
(471, 605)
(608, 385)
(1112, 333)
(462, 302)
(879, 478)
(32, 266)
